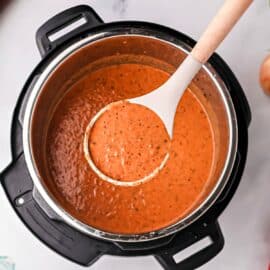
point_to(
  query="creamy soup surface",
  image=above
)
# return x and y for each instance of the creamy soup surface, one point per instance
(153, 205)
(128, 142)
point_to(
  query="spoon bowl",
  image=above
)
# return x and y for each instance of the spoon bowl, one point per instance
(102, 175)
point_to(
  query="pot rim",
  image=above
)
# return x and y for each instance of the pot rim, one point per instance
(51, 204)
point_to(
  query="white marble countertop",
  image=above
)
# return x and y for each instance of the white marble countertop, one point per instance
(246, 221)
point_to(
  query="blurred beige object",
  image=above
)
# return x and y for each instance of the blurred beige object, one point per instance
(265, 75)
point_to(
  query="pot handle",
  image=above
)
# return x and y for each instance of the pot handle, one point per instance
(211, 231)
(44, 39)
(60, 237)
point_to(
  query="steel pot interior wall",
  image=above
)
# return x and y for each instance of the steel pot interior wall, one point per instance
(132, 49)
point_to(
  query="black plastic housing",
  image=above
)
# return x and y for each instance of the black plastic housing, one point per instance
(79, 247)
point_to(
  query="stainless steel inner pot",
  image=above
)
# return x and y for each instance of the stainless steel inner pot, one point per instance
(127, 44)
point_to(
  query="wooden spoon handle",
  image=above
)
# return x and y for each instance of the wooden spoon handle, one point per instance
(218, 28)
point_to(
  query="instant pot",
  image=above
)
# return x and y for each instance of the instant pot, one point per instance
(61, 57)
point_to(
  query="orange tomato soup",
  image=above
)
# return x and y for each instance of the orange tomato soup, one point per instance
(153, 205)
(128, 142)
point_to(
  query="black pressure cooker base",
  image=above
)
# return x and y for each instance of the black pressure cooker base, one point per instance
(85, 250)
(79, 247)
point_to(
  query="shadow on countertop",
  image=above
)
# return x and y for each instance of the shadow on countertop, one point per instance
(4, 4)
